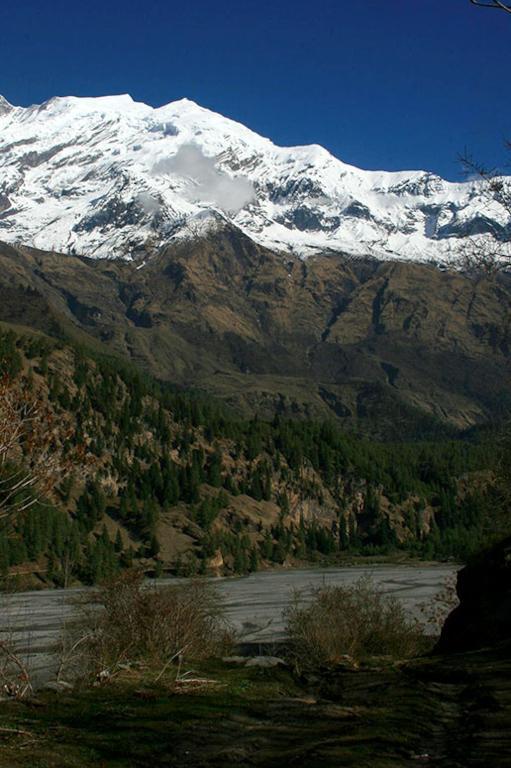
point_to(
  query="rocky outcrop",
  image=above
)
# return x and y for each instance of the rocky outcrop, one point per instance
(483, 617)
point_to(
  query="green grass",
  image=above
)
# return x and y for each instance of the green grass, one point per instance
(131, 723)
(377, 717)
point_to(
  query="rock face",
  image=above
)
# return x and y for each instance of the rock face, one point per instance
(5, 107)
(394, 344)
(483, 617)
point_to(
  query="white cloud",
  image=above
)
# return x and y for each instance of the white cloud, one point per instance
(205, 182)
(148, 203)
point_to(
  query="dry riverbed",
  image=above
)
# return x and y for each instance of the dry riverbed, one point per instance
(254, 604)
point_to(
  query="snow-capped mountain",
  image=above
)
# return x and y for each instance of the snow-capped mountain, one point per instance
(108, 177)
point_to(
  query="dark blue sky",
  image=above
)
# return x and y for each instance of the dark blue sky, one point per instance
(381, 83)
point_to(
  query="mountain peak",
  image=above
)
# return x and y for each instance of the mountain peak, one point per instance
(184, 102)
(4, 105)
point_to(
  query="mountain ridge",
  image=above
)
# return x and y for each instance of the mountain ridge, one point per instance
(384, 343)
(111, 177)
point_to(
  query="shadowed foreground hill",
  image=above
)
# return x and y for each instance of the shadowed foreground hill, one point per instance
(396, 347)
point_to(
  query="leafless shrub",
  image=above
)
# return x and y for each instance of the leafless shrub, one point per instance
(14, 675)
(357, 621)
(127, 622)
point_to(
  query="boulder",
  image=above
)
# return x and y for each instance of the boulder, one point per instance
(265, 662)
(58, 686)
(483, 617)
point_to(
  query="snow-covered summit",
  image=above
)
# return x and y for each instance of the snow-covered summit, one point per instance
(109, 176)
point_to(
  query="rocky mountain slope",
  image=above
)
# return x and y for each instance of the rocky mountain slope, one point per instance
(393, 348)
(128, 469)
(107, 176)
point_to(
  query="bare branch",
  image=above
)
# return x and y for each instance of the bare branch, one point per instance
(489, 252)
(29, 457)
(496, 4)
